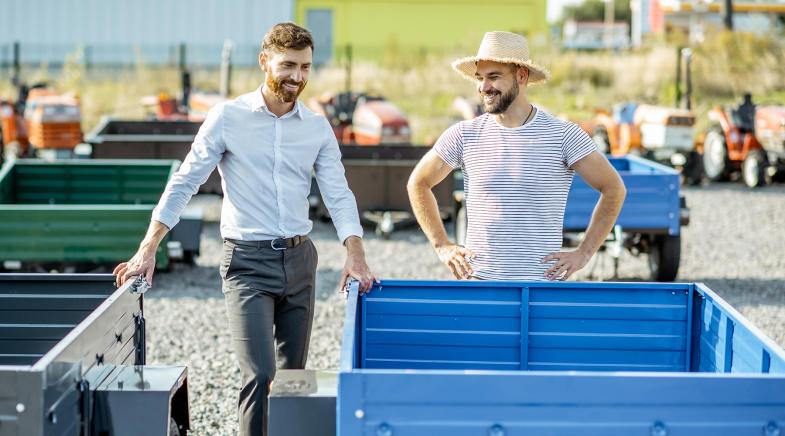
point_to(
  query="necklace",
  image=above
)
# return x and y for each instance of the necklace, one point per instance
(527, 116)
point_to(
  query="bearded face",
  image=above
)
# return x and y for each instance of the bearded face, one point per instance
(286, 72)
(495, 101)
(285, 89)
(498, 85)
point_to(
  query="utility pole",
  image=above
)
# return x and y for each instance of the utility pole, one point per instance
(728, 14)
(609, 13)
(226, 68)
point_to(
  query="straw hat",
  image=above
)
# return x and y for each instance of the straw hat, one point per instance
(504, 47)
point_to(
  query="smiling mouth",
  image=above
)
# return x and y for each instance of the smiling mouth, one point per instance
(289, 87)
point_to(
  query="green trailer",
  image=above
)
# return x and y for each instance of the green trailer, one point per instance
(85, 213)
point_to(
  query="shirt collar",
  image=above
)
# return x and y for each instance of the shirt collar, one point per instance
(258, 104)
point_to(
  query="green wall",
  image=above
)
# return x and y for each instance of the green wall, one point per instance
(377, 27)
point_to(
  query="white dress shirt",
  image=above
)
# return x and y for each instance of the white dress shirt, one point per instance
(266, 163)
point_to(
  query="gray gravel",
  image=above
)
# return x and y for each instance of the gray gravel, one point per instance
(735, 244)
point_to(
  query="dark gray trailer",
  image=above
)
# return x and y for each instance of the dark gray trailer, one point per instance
(72, 361)
(148, 139)
(377, 175)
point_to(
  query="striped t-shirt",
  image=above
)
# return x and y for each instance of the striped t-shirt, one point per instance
(516, 182)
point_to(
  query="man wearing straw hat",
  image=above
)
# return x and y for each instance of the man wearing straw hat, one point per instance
(518, 163)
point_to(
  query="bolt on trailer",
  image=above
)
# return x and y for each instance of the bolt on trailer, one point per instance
(72, 360)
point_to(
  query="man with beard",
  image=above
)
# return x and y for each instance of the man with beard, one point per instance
(266, 145)
(518, 163)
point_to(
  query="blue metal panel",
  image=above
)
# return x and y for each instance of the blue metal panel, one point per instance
(729, 343)
(418, 346)
(524, 403)
(652, 200)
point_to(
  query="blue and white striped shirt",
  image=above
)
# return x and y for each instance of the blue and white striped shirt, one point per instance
(516, 182)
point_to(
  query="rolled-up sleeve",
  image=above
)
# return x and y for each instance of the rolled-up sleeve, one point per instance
(206, 152)
(337, 196)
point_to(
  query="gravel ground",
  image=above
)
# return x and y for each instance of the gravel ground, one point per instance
(735, 244)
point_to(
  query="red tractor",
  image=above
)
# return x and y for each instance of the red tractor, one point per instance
(746, 138)
(360, 119)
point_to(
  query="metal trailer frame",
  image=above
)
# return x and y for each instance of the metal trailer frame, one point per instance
(650, 220)
(72, 360)
(377, 175)
(555, 358)
(115, 138)
(95, 212)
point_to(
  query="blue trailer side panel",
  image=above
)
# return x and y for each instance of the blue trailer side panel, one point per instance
(652, 201)
(584, 344)
(450, 326)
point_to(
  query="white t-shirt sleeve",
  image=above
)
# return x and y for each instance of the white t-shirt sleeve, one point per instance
(576, 144)
(449, 146)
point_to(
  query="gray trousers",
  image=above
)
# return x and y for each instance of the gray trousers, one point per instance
(269, 302)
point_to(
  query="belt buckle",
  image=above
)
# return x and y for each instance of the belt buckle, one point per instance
(272, 244)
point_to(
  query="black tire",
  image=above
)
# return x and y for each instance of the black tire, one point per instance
(664, 258)
(189, 257)
(754, 169)
(693, 169)
(716, 164)
(461, 224)
(602, 140)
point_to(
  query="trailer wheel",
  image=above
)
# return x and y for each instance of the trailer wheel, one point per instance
(716, 164)
(753, 170)
(664, 258)
(461, 223)
(693, 169)
(601, 138)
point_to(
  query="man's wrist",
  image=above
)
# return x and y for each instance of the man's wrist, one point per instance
(354, 245)
(586, 252)
(148, 247)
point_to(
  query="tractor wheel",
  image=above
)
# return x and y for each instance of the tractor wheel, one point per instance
(664, 258)
(601, 138)
(753, 170)
(461, 223)
(716, 164)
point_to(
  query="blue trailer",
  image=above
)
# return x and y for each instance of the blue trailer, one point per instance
(649, 223)
(544, 358)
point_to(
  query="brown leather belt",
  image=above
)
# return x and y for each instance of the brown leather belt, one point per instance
(275, 244)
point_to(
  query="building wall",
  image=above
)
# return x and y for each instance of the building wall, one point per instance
(374, 27)
(122, 31)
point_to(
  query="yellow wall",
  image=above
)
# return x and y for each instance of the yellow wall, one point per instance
(373, 26)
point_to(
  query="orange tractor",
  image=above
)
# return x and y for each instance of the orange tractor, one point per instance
(360, 119)
(660, 133)
(746, 138)
(41, 123)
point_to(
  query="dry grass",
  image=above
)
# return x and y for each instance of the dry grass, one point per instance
(424, 86)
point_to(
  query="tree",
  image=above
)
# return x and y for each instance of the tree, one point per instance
(594, 10)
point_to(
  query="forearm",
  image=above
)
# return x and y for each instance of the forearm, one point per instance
(426, 210)
(603, 219)
(155, 234)
(354, 246)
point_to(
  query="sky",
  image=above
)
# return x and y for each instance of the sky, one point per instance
(555, 7)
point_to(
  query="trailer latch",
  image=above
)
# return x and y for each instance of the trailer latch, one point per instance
(140, 285)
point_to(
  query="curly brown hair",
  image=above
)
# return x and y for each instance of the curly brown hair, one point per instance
(287, 35)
